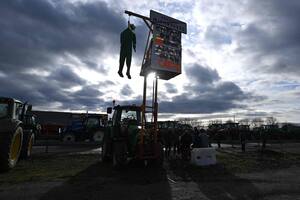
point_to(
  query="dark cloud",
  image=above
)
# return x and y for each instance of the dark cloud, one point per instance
(205, 93)
(126, 90)
(163, 95)
(37, 35)
(86, 98)
(218, 98)
(201, 74)
(43, 91)
(183, 104)
(171, 88)
(99, 67)
(87, 91)
(34, 33)
(65, 77)
(106, 84)
(272, 39)
(36, 89)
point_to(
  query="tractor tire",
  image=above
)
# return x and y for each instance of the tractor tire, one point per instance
(10, 149)
(69, 138)
(160, 159)
(119, 154)
(105, 152)
(98, 136)
(28, 141)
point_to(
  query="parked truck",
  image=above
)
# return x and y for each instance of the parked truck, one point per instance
(16, 132)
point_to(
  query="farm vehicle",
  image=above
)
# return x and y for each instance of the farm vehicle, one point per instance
(17, 132)
(90, 127)
(125, 139)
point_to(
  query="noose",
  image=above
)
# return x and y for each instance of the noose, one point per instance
(129, 21)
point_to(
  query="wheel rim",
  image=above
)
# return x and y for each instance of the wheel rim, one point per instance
(69, 138)
(15, 146)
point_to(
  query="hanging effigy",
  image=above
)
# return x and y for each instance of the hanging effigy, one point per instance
(128, 41)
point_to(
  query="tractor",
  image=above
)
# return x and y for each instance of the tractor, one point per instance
(124, 138)
(91, 127)
(16, 132)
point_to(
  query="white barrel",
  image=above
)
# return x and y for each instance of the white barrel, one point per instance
(203, 156)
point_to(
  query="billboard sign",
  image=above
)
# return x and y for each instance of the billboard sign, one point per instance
(164, 53)
(166, 49)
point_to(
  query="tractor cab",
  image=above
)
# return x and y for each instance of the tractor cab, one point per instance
(125, 138)
(13, 109)
(126, 116)
(125, 124)
(122, 134)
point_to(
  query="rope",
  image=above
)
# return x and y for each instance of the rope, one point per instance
(129, 21)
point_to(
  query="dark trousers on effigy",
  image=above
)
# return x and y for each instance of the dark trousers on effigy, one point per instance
(125, 54)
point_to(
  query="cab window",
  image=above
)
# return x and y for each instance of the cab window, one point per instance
(3, 110)
(92, 122)
(18, 111)
(128, 115)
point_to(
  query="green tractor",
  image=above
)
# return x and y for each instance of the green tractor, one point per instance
(125, 138)
(16, 132)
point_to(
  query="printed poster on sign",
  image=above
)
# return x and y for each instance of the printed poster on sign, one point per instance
(166, 48)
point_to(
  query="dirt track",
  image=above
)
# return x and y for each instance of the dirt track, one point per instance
(84, 176)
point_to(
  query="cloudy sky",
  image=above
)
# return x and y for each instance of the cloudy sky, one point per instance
(240, 58)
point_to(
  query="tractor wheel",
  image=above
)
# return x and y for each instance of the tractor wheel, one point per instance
(10, 149)
(98, 136)
(69, 138)
(119, 154)
(104, 151)
(28, 141)
(159, 161)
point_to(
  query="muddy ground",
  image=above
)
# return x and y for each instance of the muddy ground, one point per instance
(76, 172)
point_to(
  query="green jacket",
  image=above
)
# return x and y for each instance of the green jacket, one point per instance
(128, 40)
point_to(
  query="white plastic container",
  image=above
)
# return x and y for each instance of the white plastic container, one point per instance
(203, 156)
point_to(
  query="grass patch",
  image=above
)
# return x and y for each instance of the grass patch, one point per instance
(230, 163)
(48, 168)
(256, 160)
